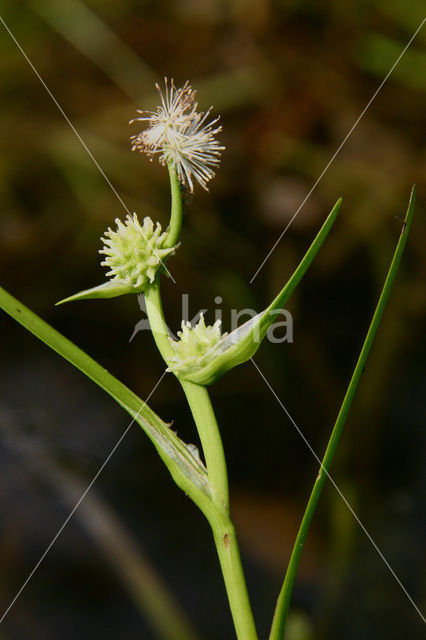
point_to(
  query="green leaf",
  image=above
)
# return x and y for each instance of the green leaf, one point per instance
(110, 289)
(283, 602)
(186, 468)
(240, 345)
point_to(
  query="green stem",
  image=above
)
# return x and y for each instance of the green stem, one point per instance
(223, 529)
(199, 402)
(283, 602)
(157, 321)
(211, 441)
(233, 575)
(216, 512)
(220, 521)
(173, 230)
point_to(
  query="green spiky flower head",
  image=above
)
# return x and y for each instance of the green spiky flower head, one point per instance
(194, 345)
(134, 252)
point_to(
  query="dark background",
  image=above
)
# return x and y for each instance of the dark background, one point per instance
(289, 79)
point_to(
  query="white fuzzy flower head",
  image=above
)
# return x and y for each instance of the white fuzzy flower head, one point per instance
(194, 344)
(134, 252)
(180, 135)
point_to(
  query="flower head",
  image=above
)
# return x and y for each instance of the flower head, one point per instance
(134, 253)
(194, 344)
(180, 135)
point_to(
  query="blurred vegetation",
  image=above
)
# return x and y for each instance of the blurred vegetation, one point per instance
(289, 79)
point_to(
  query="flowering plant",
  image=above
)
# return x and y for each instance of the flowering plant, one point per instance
(136, 254)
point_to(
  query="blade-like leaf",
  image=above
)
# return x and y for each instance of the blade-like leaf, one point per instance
(240, 345)
(110, 289)
(186, 468)
(283, 602)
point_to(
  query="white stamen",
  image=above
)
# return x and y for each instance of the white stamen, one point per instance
(180, 135)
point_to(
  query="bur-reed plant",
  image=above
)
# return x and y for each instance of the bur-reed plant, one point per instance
(136, 254)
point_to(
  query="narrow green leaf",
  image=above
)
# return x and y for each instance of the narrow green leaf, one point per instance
(241, 345)
(110, 289)
(186, 468)
(283, 602)
(287, 290)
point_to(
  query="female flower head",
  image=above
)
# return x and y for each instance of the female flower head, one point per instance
(133, 253)
(194, 345)
(180, 135)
